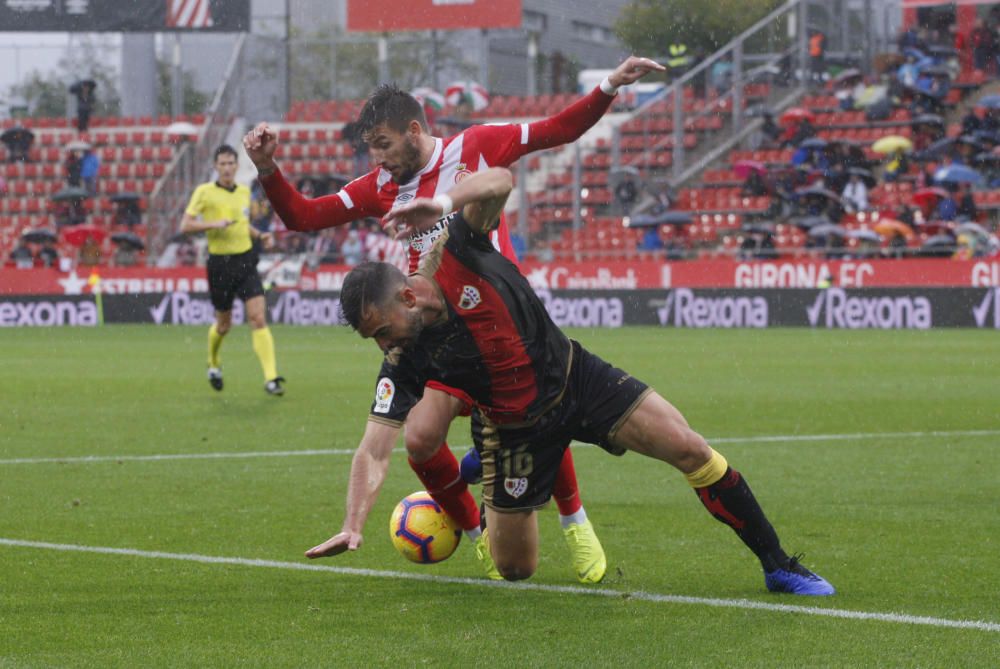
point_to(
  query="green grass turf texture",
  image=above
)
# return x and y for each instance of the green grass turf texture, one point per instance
(899, 524)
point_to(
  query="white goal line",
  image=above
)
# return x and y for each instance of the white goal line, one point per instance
(899, 618)
(759, 439)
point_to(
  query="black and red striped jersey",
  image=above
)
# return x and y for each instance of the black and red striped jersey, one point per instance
(497, 342)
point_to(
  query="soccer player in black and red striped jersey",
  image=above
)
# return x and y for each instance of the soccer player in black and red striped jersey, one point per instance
(411, 163)
(469, 319)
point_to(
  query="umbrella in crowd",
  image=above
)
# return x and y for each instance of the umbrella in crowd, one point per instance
(990, 102)
(39, 236)
(890, 227)
(848, 77)
(936, 71)
(891, 144)
(467, 91)
(796, 115)
(865, 235)
(971, 228)
(819, 192)
(125, 196)
(743, 168)
(87, 85)
(957, 174)
(758, 111)
(678, 218)
(928, 197)
(928, 119)
(128, 240)
(77, 145)
(942, 51)
(16, 135)
(938, 246)
(913, 52)
(813, 143)
(70, 193)
(428, 97)
(810, 222)
(78, 234)
(757, 229)
(864, 175)
(182, 129)
(828, 230)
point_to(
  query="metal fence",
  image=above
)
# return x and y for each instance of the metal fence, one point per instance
(192, 163)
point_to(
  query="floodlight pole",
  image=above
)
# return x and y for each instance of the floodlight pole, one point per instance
(484, 58)
(532, 62)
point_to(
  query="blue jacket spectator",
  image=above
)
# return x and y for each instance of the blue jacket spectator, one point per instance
(90, 164)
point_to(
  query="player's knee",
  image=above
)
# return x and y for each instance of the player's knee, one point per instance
(257, 322)
(222, 327)
(688, 448)
(422, 442)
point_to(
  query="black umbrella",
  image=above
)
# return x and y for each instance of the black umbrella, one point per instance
(938, 246)
(819, 191)
(936, 149)
(17, 135)
(813, 143)
(936, 71)
(942, 51)
(758, 111)
(666, 218)
(810, 222)
(928, 119)
(39, 236)
(864, 174)
(70, 193)
(88, 84)
(125, 196)
(757, 229)
(128, 239)
(828, 230)
(988, 160)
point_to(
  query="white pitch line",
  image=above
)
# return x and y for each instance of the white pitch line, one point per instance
(900, 618)
(760, 439)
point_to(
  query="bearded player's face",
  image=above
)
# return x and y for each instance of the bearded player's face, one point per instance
(395, 152)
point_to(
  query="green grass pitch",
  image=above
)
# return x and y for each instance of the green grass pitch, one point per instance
(902, 516)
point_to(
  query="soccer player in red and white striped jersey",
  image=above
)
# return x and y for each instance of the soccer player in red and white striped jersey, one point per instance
(411, 163)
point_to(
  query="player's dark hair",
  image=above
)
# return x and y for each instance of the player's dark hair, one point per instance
(391, 106)
(368, 284)
(225, 149)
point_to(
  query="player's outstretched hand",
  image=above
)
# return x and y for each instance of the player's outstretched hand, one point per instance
(633, 69)
(335, 545)
(416, 216)
(260, 144)
(267, 240)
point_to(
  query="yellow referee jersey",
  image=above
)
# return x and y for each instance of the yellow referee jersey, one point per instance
(212, 202)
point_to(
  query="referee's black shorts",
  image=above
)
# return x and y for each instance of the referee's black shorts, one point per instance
(232, 276)
(520, 464)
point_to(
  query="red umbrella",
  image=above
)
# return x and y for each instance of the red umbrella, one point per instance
(78, 234)
(926, 198)
(796, 115)
(744, 167)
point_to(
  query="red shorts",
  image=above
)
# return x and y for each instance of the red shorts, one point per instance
(460, 395)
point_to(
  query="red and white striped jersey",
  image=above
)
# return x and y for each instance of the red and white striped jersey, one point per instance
(380, 247)
(453, 159)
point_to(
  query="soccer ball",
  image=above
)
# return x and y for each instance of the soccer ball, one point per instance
(422, 531)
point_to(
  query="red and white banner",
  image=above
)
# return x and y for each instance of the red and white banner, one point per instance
(189, 14)
(557, 276)
(390, 15)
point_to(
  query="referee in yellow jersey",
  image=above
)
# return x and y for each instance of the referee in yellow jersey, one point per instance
(221, 209)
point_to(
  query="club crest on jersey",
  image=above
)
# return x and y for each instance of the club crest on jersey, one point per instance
(515, 487)
(461, 171)
(470, 298)
(384, 391)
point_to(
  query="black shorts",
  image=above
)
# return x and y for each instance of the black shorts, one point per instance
(520, 464)
(232, 276)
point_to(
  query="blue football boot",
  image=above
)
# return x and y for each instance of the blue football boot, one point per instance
(797, 580)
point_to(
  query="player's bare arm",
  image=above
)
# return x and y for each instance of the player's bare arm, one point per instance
(260, 144)
(368, 470)
(266, 238)
(481, 197)
(190, 224)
